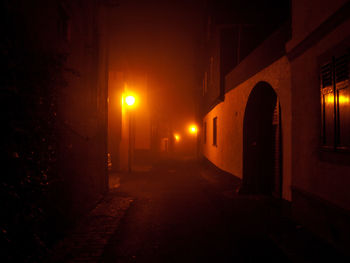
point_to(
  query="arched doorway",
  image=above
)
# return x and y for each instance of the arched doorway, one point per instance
(262, 147)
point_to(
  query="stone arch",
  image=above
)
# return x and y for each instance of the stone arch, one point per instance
(262, 144)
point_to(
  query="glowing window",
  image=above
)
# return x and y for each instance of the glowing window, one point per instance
(335, 103)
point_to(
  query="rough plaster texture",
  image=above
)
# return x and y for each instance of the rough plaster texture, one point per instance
(228, 154)
(212, 67)
(82, 112)
(328, 180)
(309, 17)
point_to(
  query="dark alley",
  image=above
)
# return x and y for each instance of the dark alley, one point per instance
(175, 131)
(184, 211)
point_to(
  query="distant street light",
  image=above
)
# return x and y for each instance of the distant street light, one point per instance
(193, 129)
(130, 100)
(177, 137)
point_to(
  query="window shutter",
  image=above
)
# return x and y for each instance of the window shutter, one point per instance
(326, 75)
(327, 101)
(341, 69)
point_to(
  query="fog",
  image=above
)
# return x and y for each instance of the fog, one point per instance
(160, 39)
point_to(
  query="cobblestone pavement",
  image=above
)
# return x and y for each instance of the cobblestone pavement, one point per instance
(87, 242)
(183, 212)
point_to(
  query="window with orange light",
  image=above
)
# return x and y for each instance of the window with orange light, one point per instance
(335, 102)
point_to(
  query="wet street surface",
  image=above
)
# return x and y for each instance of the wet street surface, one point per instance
(183, 211)
(183, 214)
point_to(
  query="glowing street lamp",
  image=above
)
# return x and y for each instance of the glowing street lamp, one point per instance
(193, 129)
(130, 100)
(177, 137)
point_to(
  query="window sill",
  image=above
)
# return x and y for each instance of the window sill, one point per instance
(339, 156)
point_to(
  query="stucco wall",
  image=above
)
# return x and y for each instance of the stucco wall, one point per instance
(82, 112)
(228, 154)
(325, 179)
(310, 14)
(211, 91)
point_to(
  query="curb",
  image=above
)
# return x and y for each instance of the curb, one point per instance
(87, 242)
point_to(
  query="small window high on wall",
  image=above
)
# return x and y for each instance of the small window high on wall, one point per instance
(215, 127)
(335, 103)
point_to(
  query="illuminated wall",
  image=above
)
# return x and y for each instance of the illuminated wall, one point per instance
(228, 154)
(122, 117)
(142, 115)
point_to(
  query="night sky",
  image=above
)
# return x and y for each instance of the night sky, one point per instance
(160, 38)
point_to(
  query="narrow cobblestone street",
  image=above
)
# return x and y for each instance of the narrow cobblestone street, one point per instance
(182, 212)
(175, 131)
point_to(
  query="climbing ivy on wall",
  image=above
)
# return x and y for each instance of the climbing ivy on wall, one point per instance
(30, 82)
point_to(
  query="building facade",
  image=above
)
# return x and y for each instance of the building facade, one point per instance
(319, 57)
(129, 126)
(269, 114)
(82, 105)
(54, 99)
(243, 59)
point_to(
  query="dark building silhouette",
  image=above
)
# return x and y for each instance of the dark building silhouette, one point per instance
(54, 118)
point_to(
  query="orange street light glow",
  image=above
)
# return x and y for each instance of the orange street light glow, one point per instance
(177, 137)
(130, 100)
(193, 129)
